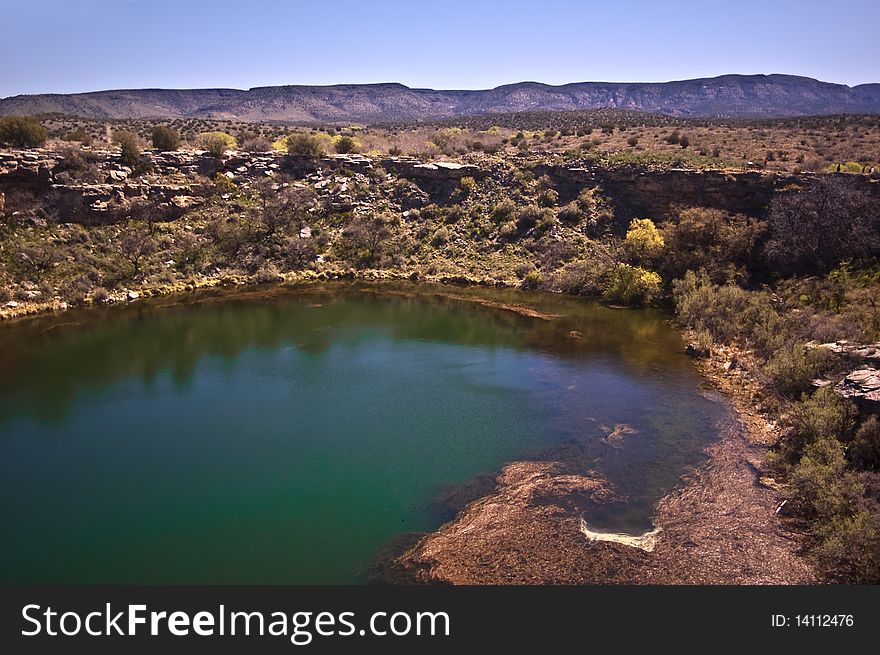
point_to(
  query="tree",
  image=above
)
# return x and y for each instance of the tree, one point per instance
(165, 138)
(278, 209)
(364, 239)
(22, 132)
(643, 242)
(135, 244)
(304, 145)
(129, 150)
(811, 231)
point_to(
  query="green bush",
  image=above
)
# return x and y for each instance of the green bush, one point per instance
(631, 285)
(345, 144)
(864, 452)
(728, 312)
(633, 141)
(503, 211)
(850, 547)
(217, 143)
(129, 148)
(548, 198)
(792, 368)
(165, 138)
(824, 488)
(304, 145)
(527, 217)
(813, 418)
(508, 230)
(532, 280)
(79, 135)
(22, 132)
(570, 214)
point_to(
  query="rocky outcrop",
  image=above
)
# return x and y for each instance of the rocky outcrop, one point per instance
(441, 171)
(861, 386)
(642, 191)
(635, 191)
(862, 383)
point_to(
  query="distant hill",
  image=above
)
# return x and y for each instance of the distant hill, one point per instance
(735, 96)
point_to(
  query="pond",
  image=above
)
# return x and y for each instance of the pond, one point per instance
(286, 435)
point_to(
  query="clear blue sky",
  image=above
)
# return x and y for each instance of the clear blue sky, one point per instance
(86, 45)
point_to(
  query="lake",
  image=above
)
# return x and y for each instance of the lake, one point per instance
(286, 435)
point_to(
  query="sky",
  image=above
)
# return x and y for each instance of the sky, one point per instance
(64, 46)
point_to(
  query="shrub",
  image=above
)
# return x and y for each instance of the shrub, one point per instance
(304, 145)
(454, 214)
(684, 142)
(216, 143)
(864, 452)
(467, 185)
(165, 138)
(547, 221)
(22, 132)
(299, 252)
(850, 547)
(812, 418)
(79, 135)
(823, 487)
(441, 236)
(135, 244)
(728, 312)
(256, 144)
(631, 285)
(528, 216)
(643, 242)
(129, 148)
(364, 239)
(792, 368)
(503, 211)
(223, 184)
(345, 144)
(532, 280)
(80, 164)
(548, 198)
(570, 214)
(508, 230)
(633, 141)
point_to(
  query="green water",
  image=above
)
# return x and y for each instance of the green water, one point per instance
(285, 436)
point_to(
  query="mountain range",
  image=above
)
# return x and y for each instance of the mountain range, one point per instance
(734, 96)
